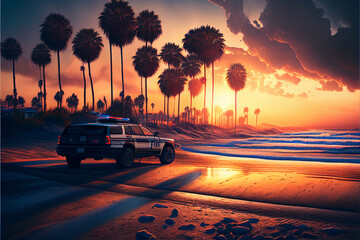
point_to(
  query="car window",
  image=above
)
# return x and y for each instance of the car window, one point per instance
(146, 131)
(116, 130)
(97, 130)
(136, 130)
(127, 130)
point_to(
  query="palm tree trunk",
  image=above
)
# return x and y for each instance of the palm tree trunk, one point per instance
(146, 101)
(123, 84)
(235, 109)
(179, 109)
(92, 88)
(41, 99)
(205, 84)
(168, 111)
(111, 76)
(212, 97)
(14, 82)
(174, 108)
(44, 88)
(61, 95)
(85, 89)
(190, 107)
(142, 87)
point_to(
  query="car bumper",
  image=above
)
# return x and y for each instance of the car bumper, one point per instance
(97, 152)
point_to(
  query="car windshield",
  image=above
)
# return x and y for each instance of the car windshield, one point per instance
(147, 131)
(136, 130)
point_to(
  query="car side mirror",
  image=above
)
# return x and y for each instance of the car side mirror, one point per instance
(156, 133)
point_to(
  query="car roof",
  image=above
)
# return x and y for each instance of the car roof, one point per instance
(105, 124)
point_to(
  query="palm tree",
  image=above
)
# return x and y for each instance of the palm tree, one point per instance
(100, 105)
(87, 46)
(57, 98)
(171, 54)
(55, 32)
(208, 44)
(171, 83)
(194, 87)
(257, 112)
(152, 106)
(35, 103)
(11, 51)
(146, 63)
(228, 114)
(41, 56)
(148, 29)
(218, 111)
(119, 24)
(72, 102)
(82, 68)
(236, 78)
(246, 113)
(40, 94)
(21, 101)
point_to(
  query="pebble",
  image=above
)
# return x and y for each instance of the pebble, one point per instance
(144, 235)
(227, 220)
(218, 224)
(246, 224)
(238, 230)
(164, 226)
(146, 219)
(210, 230)
(253, 220)
(204, 224)
(333, 231)
(157, 205)
(287, 226)
(308, 235)
(187, 227)
(170, 222)
(174, 213)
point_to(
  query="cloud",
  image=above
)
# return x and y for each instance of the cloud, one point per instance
(303, 95)
(274, 90)
(330, 86)
(296, 38)
(287, 77)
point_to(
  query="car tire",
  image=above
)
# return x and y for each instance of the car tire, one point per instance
(73, 162)
(168, 155)
(126, 159)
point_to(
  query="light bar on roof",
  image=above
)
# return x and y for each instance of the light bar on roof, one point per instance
(107, 118)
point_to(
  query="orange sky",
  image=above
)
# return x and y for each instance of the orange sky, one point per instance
(304, 105)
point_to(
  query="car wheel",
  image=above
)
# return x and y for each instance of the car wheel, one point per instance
(126, 159)
(168, 155)
(73, 162)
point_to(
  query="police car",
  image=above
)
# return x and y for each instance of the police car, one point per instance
(112, 137)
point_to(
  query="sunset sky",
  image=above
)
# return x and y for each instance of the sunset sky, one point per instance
(302, 56)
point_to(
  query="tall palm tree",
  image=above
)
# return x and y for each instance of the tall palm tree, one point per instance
(11, 51)
(229, 114)
(82, 68)
(246, 113)
(119, 24)
(194, 87)
(208, 44)
(257, 112)
(148, 29)
(87, 46)
(40, 94)
(41, 56)
(218, 111)
(55, 32)
(171, 83)
(146, 63)
(236, 78)
(171, 54)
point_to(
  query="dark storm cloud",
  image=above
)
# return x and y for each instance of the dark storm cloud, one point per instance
(296, 37)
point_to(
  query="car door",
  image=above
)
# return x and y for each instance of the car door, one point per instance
(141, 142)
(154, 141)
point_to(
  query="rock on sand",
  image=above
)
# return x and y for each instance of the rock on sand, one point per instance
(146, 219)
(187, 227)
(144, 235)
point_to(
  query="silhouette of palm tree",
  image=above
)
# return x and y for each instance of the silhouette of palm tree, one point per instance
(57, 98)
(55, 32)
(11, 51)
(21, 101)
(194, 87)
(246, 113)
(171, 54)
(100, 106)
(87, 46)
(171, 83)
(72, 102)
(236, 78)
(152, 106)
(41, 56)
(40, 93)
(119, 24)
(208, 44)
(35, 103)
(146, 63)
(257, 112)
(218, 111)
(148, 29)
(228, 114)
(82, 68)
